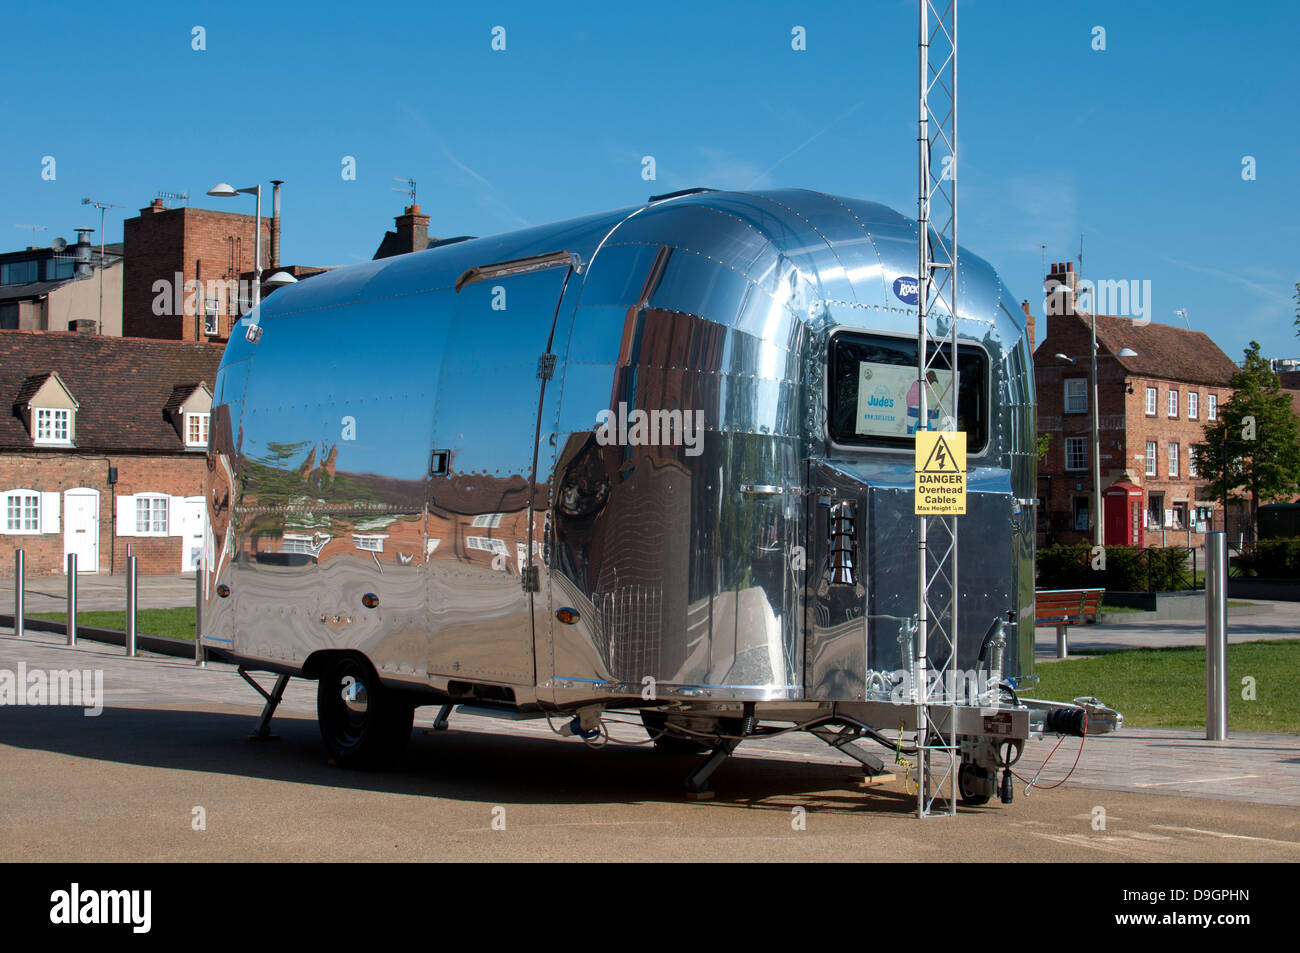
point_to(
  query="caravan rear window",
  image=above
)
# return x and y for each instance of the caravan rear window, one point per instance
(874, 396)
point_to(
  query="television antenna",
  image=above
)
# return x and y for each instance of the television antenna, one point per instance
(409, 191)
(34, 230)
(1182, 313)
(177, 196)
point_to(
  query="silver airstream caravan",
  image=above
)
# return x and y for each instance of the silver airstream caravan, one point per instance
(656, 460)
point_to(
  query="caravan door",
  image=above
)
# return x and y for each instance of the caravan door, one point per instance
(484, 513)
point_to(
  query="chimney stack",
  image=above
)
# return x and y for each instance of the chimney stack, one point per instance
(1061, 285)
(81, 254)
(412, 230)
(1029, 324)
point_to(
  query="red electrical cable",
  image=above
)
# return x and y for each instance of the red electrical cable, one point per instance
(1082, 742)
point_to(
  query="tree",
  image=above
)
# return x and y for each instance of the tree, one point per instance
(1263, 440)
(1043, 444)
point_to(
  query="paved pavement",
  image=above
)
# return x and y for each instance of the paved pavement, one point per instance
(124, 785)
(97, 591)
(1282, 622)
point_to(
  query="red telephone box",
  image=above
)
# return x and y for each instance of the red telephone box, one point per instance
(1122, 505)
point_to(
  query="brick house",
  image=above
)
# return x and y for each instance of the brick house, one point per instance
(103, 445)
(179, 246)
(1153, 408)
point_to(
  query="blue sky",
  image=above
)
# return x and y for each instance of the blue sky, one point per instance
(1139, 147)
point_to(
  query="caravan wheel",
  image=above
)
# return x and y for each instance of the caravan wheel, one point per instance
(363, 723)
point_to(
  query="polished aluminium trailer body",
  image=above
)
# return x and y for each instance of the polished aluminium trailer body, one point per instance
(626, 461)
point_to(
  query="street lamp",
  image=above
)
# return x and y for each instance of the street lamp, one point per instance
(103, 207)
(1096, 430)
(281, 279)
(224, 190)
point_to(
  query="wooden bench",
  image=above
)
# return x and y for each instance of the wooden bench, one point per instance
(1063, 608)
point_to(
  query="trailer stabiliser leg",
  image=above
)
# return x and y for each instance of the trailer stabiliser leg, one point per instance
(440, 723)
(697, 782)
(263, 731)
(843, 740)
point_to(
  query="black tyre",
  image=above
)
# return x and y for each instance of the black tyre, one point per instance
(363, 724)
(974, 785)
(683, 744)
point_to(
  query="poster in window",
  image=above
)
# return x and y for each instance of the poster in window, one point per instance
(889, 402)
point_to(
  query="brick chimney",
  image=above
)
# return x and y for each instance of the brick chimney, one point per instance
(1060, 285)
(412, 229)
(1029, 324)
(154, 207)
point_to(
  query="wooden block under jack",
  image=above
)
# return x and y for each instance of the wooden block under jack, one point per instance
(699, 795)
(872, 780)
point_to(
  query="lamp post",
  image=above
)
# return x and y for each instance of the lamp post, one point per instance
(224, 190)
(1096, 430)
(103, 207)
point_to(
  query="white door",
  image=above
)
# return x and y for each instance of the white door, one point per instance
(81, 528)
(193, 521)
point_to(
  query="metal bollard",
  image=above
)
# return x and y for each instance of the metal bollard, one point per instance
(198, 616)
(72, 599)
(1062, 642)
(1216, 637)
(19, 583)
(130, 605)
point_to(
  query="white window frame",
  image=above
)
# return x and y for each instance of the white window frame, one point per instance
(1211, 406)
(1193, 405)
(488, 520)
(369, 542)
(1153, 401)
(151, 503)
(1191, 461)
(1173, 458)
(1081, 394)
(1173, 404)
(1077, 442)
(487, 544)
(46, 425)
(1152, 455)
(204, 421)
(19, 500)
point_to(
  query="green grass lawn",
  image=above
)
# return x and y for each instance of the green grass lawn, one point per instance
(1165, 688)
(177, 623)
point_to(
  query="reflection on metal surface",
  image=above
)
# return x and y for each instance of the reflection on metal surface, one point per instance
(408, 429)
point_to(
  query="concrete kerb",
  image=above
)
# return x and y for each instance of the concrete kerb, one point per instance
(158, 644)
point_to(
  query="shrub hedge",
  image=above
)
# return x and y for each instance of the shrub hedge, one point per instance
(1272, 559)
(1128, 568)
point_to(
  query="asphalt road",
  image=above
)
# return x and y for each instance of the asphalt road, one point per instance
(125, 786)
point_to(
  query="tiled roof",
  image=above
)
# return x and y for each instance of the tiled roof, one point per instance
(30, 387)
(1164, 351)
(180, 393)
(122, 386)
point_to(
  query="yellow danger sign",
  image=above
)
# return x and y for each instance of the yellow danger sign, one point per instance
(940, 473)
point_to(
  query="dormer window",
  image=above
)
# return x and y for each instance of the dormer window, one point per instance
(189, 408)
(196, 431)
(53, 425)
(48, 409)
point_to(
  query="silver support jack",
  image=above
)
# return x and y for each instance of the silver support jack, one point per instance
(263, 730)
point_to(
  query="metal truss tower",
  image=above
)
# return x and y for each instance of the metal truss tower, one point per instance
(935, 650)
